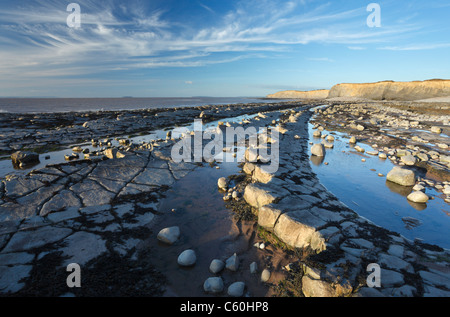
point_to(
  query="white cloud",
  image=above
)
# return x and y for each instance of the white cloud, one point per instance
(37, 42)
(320, 59)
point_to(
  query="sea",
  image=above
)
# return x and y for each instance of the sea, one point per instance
(55, 105)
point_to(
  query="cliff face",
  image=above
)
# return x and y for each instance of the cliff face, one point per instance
(295, 94)
(388, 90)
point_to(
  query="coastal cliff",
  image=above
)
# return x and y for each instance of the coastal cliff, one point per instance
(389, 90)
(295, 94)
(383, 90)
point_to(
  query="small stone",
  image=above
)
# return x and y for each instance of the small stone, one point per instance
(253, 267)
(236, 289)
(24, 158)
(408, 160)
(222, 183)
(213, 285)
(418, 197)
(265, 275)
(401, 176)
(169, 235)
(435, 129)
(352, 140)
(232, 263)
(318, 150)
(187, 258)
(216, 266)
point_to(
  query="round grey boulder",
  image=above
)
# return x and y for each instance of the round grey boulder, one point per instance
(216, 266)
(169, 235)
(236, 289)
(187, 258)
(213, 285)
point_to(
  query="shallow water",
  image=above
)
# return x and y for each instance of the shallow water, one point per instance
(208, 228)
(358, 185)
(40, 105)
(57, 157)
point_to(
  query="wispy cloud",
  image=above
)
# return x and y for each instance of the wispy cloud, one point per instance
(320, 59)
(417, 47)
(36, 42)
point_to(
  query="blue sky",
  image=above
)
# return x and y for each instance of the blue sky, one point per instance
(168, 48)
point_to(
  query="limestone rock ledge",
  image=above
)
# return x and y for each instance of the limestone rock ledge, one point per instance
(292, 204)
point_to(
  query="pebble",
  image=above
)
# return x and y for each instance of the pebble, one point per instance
(418, 197)
(236, 289)
(222, 183)
(169, 235)
(232, 263)
(216, 266)
(213, 285)
(265, 275)
(187, 258)
(253, 267)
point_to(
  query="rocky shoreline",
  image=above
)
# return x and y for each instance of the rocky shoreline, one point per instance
(339, 245)
(97, 212)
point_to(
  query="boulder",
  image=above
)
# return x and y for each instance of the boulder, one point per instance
(265, 275)
(318, 150)
(236, 289)
(261, 174)
(256, 196)
(187, 258)
(408, 160)
(169, 235)
(401, 176)
(222, 183)
(216, 266)
(213, 285)
(232, 263)
(24, 158)
(418, 197)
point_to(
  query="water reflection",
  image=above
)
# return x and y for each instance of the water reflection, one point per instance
(385, 203)
(399, 189)
(417, 206)
(317, 160)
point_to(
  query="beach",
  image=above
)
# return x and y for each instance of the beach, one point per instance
(104, 191)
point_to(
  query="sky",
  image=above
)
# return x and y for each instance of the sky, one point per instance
(221, 48)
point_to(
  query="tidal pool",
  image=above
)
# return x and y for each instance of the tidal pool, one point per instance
(358, 185)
